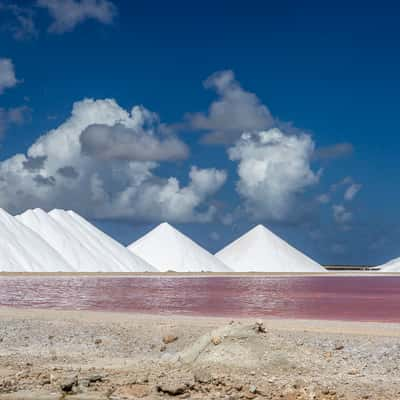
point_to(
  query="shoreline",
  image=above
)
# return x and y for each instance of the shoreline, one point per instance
(363, 328)
(200, 274)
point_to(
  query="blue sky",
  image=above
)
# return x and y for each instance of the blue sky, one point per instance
(313, 88)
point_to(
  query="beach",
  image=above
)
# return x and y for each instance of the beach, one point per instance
(58, 354)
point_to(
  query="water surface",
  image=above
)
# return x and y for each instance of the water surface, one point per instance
(335, 297)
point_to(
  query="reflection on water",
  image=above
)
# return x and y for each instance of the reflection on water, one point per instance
(349, 298)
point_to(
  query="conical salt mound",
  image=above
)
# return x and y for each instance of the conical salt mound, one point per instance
(259, 250)
(82, 257)
(170, 250)
(390, 266)
(112, 256)
(22, 250)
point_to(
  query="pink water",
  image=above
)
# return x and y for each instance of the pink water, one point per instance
(346, 298)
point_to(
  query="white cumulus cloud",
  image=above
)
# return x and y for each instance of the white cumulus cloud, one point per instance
(56, 173)
(7, 74)
(352, 191)
(234, 112)
(67, 14)
(141, 140)
(274, 168)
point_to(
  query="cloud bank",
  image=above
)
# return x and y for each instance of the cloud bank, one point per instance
(55, 172)
(273, 168)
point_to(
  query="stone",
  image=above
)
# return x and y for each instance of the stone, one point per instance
(45, 380)
(253, 389)
(68, 383)
(95, 378)
(172, 388)
(259, 327)
(298, 384)
(325, 391)
(216, 340)
(98, 342)
(339, 346)
(169, 339)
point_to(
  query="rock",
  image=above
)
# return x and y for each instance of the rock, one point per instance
(353, 372)
(98, 342)
(238, 387)
(172, 388)
(68, 383)
(259, 327)
(216, 340)
(339, 346)
(298, 384)
(169, 339)
(253, 389)
(325, 391)
(95, 378)
(45, 380)
(163, 348)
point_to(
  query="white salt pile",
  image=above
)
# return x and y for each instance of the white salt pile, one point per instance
(390, 266)
(169, 250)
(111, 255)
(60, 240)
(83, 257)
(259, 250)
(22, 250)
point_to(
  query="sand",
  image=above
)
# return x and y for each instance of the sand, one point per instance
(51, 354)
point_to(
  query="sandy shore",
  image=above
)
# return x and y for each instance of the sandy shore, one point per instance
(50, 354)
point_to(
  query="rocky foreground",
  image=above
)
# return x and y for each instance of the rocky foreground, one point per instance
(52, 355)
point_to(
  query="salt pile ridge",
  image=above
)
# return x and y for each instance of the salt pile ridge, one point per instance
(260, 250)
(83, 258)
(391, 266)
(170, 250)
(112, 255)
(22, 250)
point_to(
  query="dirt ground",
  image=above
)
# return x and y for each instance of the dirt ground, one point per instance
(81, 355)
